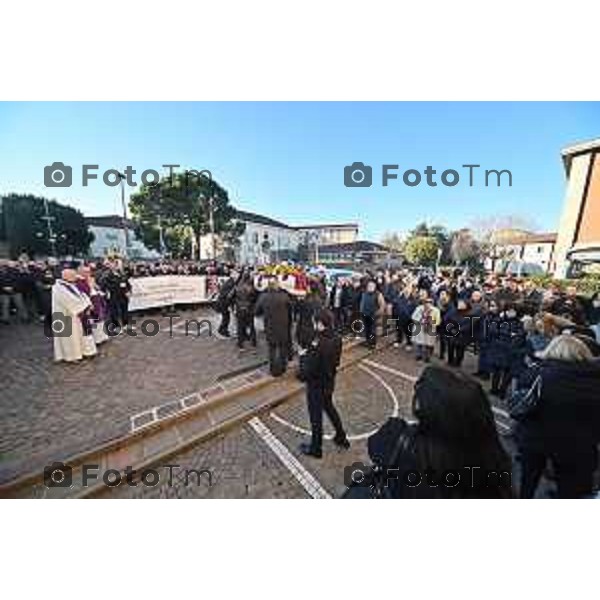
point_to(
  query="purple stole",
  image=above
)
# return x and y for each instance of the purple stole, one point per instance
(99, 308)
(84, 317)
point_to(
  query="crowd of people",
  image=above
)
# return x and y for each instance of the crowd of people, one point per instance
(538, 348)
(77, 302)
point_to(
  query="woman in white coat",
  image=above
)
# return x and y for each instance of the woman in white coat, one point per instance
(426, 320)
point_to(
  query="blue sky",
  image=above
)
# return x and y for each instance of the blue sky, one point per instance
(286, 160)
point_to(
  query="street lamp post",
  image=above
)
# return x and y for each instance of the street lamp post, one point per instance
(157, 207)
(49, 219)
(124, 207)
(315, 236)
(211, 221)
(161, 241)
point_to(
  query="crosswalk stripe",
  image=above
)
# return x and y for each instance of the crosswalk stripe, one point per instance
(294, 466)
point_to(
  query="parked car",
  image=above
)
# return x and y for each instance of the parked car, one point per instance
(523, 269)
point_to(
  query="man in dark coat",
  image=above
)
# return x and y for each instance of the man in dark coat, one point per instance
(245, 302)
(10, 292)
(570, 306)
(531, 300)
(371, 306)
(117, 285)
(224, 302)
(275, 306)
(319, 370)
(46, 278)
(405, 305)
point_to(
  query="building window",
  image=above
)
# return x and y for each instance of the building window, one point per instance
(255, 238)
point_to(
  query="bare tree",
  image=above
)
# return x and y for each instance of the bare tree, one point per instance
(393, 241)
(499, 235)
(487, 229)
(464, 248)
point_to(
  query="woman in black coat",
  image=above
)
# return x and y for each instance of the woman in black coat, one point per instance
(453, 450)
(557, 407)
(459, 332)
(506, 349)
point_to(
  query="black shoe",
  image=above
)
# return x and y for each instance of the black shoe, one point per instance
(342, 443)
(419, 358)
(308, 450)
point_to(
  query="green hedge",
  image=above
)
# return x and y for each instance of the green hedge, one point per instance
(586, 285)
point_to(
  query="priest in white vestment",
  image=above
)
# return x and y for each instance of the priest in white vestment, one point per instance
(71, 342)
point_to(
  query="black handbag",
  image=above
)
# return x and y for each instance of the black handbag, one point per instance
(523, 402)
(386, 446)
(307, 363)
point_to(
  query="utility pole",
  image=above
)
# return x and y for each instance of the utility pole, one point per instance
(211, 217)
(49, 219)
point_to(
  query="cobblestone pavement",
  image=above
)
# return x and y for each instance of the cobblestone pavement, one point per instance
(365, 400)
(50, 410)
(240, 467)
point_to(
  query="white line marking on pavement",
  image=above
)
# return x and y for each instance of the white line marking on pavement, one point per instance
(496, 410)
(306, 479)
(359, 436)
(385, 384)
(387, 369)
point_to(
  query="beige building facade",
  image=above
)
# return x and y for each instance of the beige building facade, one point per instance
(579, 230)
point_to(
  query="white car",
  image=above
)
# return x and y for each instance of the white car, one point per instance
(523, 269)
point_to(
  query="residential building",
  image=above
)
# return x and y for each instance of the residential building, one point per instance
(539, 249)
(332, 233)
(354, 253)
(520, 246)
(264, 240)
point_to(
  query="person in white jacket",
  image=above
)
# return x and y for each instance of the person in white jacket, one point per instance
(427, 319)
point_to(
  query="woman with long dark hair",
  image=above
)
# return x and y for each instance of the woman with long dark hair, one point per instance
(453, 450)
